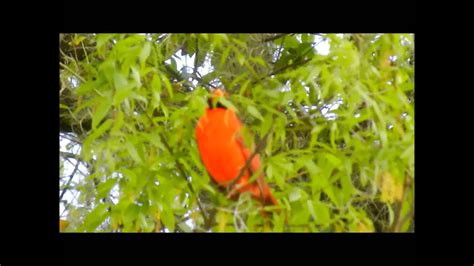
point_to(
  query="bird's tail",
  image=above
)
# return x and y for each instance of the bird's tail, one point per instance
(259, 190)
(270, 199)
(264, 193)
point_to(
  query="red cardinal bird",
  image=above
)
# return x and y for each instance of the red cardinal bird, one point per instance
(224, 154)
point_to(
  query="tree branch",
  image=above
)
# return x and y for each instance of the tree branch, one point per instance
(402, 221)
(258, 148)
(68, 155)
(279, 49)
(201, 81)
(278, 71)
(275, 37)
(196, 57)
(72, 72)
(398, 220)
(300, 63)
(69, 181)
(71, 138)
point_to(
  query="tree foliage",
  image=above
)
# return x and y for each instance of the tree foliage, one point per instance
(340, 152)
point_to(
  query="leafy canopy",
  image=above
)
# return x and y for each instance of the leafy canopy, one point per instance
(339, 108)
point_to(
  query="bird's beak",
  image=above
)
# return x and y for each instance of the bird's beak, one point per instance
(219, 93)
(216, 94)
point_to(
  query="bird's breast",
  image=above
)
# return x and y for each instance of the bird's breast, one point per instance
(216, 133)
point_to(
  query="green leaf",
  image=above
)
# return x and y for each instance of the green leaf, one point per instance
(307, 37)
(100, 130)
(168, 86)
(279, 178)
(155, 140)
(156, 84)
(333, 159)
(290, 42)
(240, 58)
(225, 56)
(409, 152)
(133, 152)
(346, 187)
(167, 217)
(295, 194)
(391, 214)
(95, 217)
(333, 195)
(299, 214)
(139, 97)
(244, 86)
(240, 43)
(304, 49)
(120, 81)
(145, 224)
(103, 39)
(118, 122)
(104, 188)
(288, 167)
(313, 169)
(156, 99)
(287, 96)
(165, 110)
(266, 125)
(282, 62)
(130, 214)
(210, 76)
(121, 95)
(185, 228)
(78, 39)
(86, 87)
(259, 61)
(269, 170)
(322, 213)
(145, 52)
(254, 112)
(228, 104)
(136, 77)
(108, 69)
(132, 177)
(63, 106)
(102, 110)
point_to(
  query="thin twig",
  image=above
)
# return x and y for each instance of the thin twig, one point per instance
(85, 47)
(297, 175)
(275, 37)
(281, 48)
(402, 221)
(68, 155)
(178, 165)
(398, 220)
(74, 46)
(300, 63)
(85, 52)
(70, 179)
(201, 81)
(258, 148)
(180, 169)
(196, 57)
(72, 71)
(278, 71)
(69, 204)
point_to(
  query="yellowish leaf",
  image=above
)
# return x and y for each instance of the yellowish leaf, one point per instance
(391, 189)
(365, 226)
(62, 225)
(221, 218)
